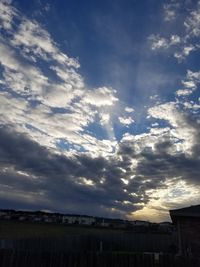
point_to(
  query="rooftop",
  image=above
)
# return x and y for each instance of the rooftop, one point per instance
(192, 211)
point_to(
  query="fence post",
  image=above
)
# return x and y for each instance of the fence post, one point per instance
(101, 246)
(156, 259)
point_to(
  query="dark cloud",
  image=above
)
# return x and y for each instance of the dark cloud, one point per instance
(55, 181)
(155, 165)
(58, 177)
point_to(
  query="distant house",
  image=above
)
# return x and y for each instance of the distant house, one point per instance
(102, 222)
(140, 223)
(22, 218)
(78, 219)
(187, 221)
(111, 223)
(6, 214)
(37, 219)
(2, 213)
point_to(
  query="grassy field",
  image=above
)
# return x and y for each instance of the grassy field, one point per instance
(14, 229)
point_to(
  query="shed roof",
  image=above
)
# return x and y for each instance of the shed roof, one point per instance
(192, 211)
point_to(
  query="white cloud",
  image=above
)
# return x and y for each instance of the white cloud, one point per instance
(16, 107)
(155, 124)
(184, 92)
(184, 52)
(191, 105)
(20, 76)
(6, 15)
(69, 76)
(24, 78)
(187, 50)
(192, 23)
(181, 46)
(190, 83)
(104, 118)
(175, 39)
(169, 14)
(31, 38)
(129, 110)
(193, 76)
(46, 127)
(99, 97)
(176, 194)
(176, 118)
(58, 95)
(164, 111)
(170, 11)
(126, 120)
(158, 42)
(38, 91)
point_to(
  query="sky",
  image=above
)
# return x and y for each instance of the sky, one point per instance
(99, 106)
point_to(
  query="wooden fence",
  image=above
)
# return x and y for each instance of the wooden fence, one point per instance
(26, 258)
(106, 242)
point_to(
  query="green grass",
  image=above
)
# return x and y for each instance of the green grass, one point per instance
(14, 229)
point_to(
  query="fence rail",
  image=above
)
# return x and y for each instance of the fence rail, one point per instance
(107, 242)
(24, 258)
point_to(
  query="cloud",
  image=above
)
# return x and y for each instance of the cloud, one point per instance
(129, 110)
(60, 182)
(184, 92)
(54, 104)
(7, 14)
(175, 43)
(145, 163)
(192, 22)
(158, 166)
(34, 40)
(178, 120)
(184, 52)
(187, 42)
(20, 76)
(50, 156)
(191, 106)
(175, 195)
(158, 42)
(190, 83)
(104, 118)
(102, 96)
(170, 10)
(126, 120)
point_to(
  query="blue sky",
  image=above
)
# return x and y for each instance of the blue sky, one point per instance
(99, 104)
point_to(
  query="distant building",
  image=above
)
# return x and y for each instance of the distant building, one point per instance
(187, 221)
(78, 219)
(140, 223)
(103, 222)
(2, 213)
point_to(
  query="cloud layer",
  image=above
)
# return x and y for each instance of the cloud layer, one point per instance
(52, 155)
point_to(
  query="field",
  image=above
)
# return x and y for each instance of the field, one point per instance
(15, 229)
(75, 238)
(35, 244)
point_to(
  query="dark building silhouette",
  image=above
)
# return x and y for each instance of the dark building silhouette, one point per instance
(187, 221)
